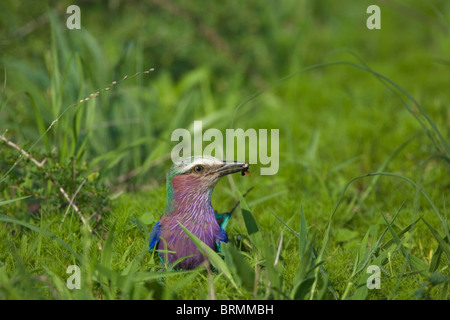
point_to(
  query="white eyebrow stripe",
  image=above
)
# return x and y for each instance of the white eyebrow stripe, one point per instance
(190, 162)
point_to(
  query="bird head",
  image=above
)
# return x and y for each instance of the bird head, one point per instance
(196, 176)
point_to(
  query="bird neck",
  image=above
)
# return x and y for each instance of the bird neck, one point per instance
(188, 197)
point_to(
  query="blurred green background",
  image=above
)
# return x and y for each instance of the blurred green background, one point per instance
(231, 64)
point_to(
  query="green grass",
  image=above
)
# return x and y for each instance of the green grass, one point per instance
(364, 147)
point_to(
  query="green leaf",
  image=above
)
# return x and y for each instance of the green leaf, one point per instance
(241, 269)
(107, 250)
(139, 224)
(303, 288)
(148, 218)
(436, 259)
(363, 252)
(250, 222)
(344, 234)
(305, 271)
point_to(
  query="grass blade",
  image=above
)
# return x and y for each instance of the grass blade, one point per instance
(12, 200)
(442, 243)
(212, 256)
(240, 268)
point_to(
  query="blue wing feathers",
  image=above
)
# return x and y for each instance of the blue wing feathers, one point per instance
(154, 235)
(222, 237)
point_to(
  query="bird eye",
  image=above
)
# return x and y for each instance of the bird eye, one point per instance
(198, 168)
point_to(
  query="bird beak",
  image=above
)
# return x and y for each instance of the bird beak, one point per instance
(229, 167)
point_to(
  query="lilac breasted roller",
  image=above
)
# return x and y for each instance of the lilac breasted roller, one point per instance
(189, 185)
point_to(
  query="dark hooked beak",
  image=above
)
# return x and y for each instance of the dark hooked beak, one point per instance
(232, 167)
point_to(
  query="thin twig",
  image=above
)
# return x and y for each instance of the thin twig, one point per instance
(23, 152)
(279, 249)
(41, 165)
(71, 204)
